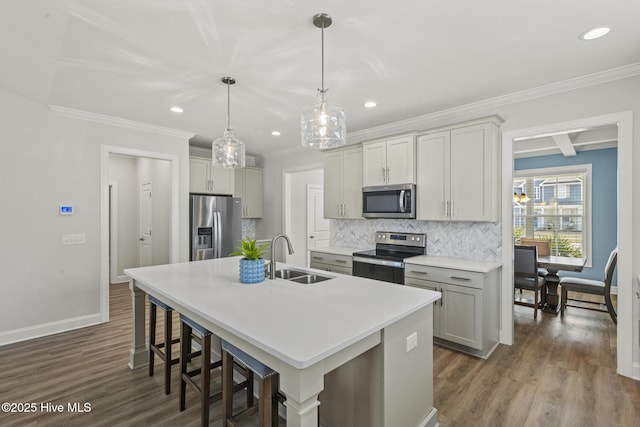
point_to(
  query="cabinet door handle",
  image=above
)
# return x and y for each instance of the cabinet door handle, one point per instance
(344, 210)
(387, 174)
(441, 297)
(466, 279)
(446, 208)
(452, 208)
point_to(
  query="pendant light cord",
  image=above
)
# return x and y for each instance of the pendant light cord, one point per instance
(322, 57)
(228, 106)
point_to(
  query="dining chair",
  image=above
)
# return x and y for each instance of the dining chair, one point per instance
(593, 287)
(525, 275)
(544, 249)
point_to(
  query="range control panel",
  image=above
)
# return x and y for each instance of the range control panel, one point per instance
(401, 239)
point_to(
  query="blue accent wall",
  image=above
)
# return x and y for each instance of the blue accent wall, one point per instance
(604, 201)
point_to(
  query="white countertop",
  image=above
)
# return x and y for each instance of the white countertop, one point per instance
(337, 250)
(454, 263)
(300, 324)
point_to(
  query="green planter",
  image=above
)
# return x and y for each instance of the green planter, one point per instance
(251, 270)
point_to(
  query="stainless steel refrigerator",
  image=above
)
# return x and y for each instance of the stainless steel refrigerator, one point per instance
(215, 224)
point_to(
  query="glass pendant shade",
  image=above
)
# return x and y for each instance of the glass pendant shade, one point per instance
(323, 124)
(228, 151)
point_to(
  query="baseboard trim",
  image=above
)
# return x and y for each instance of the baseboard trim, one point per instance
(120, 278)
(45, 329)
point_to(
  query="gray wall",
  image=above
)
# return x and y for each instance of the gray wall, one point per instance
(45, 160)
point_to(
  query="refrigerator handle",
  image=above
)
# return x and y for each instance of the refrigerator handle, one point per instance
(215, 234)
(218, 236)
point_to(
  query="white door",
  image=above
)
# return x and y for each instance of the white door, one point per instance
(317, 224)
(145, 239)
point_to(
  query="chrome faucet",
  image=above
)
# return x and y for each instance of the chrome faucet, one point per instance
(272, 271)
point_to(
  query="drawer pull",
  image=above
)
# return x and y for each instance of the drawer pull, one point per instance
(317, 257)
(418, 272)
(340, 260)
(460, 278)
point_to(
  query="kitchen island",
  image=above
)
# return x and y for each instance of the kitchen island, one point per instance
(333, 328)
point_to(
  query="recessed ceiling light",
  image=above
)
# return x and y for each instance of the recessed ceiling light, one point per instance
(594, 33)
(177, 109)
(370, 104)
(275, 133)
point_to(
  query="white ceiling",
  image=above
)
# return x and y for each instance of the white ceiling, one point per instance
(134, 59)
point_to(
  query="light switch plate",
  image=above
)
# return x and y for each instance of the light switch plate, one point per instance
(74, 239)
(412, 341)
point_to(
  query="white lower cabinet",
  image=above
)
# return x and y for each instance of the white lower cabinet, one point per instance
(466, 317)
(331, 262)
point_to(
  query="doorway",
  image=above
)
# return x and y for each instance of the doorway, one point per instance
(166, 167)
(295, 217)
(624, 123)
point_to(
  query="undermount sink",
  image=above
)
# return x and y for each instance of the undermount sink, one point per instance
(301, 276)
(290, 273)
(310, 278)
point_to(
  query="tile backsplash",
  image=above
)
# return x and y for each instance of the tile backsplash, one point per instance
(471, 240)
(249, 228)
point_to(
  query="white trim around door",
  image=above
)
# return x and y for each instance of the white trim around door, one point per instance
(626, 315)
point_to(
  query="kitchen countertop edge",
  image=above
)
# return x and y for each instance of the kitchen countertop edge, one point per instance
(337, 250)
(454, 263)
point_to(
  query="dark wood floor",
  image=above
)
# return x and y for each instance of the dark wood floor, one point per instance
(560, 372)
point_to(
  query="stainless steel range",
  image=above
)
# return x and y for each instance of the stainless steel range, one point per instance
(386, 261)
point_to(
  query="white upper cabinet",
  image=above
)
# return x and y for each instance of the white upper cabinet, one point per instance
(208, 179)
(343, 183)
(248, 186)
(389, 162)
(459, 172)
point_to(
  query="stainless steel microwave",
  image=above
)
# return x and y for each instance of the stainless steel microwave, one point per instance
(389, 201)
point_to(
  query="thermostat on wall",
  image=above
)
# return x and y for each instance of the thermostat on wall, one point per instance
(66, 210)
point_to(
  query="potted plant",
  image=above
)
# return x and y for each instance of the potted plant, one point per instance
(252, 265)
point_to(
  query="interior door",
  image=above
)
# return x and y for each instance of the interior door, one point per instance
(145, 239)
(317, 224)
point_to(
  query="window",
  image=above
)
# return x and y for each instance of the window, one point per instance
(559, 212)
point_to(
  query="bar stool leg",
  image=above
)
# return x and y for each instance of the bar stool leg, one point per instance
(185, 346)
(265, 400)
(167, 351)
(152, 336)
(227, 386)
(205, 379)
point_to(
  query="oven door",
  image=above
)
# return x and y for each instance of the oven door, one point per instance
(378, 269)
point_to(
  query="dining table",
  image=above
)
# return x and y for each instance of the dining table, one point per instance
(553, 264)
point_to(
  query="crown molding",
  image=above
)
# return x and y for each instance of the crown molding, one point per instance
(116, 121)
(462, 112)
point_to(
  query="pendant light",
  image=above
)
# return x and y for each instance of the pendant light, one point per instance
(323, 123)
(228, 151)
